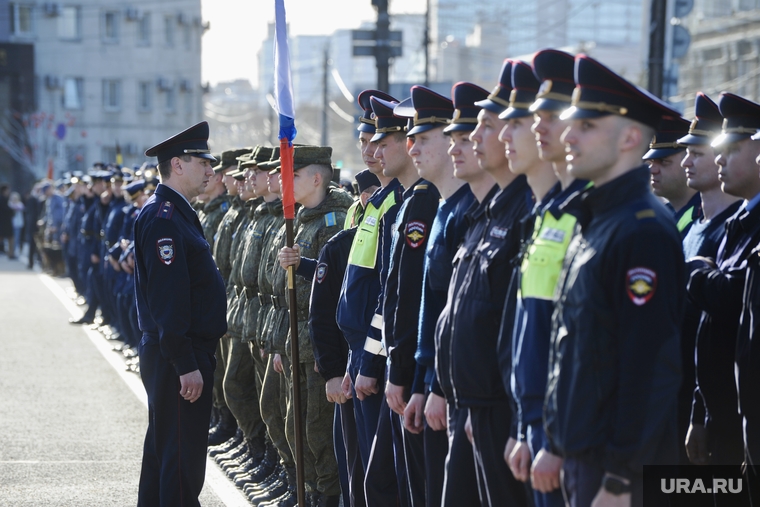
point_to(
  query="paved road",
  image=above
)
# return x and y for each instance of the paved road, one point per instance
(72, 421)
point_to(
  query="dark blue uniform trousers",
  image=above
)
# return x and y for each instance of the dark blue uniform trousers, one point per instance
(535, 437)
(582, 478)
(367, 413)
(460, 485)
(174, 454)
(347, 454)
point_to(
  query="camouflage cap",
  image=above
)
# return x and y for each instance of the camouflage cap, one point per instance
(230, 158)
(262, 155)
(307, 155)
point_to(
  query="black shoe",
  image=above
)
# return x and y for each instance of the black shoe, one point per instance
(226, 446)
(79, 321)
(232, 454)
(267, 496)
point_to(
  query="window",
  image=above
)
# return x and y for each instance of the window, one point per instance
(169, 23)
(22, 19)
(111, 95)
(144, 96)
(171, 100)
(70, 23)
(143, 30)
(73, 93)
(111, 26)
(187, 33)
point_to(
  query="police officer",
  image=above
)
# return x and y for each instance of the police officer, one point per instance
(624, 270)
(668, 177)
(181, 308)
(702, 239)
(361, 287)
(715, 287)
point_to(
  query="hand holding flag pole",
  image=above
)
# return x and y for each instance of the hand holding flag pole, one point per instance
(283, 90)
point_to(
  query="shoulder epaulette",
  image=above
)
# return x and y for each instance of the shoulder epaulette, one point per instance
(420, 187)
(165, 210)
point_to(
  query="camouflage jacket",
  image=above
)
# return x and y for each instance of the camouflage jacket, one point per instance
(234, 309)
(313, 228)
(224, 236)
(273, 319)
(212, 214)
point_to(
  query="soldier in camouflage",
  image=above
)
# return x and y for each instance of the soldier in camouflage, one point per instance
(321, 216)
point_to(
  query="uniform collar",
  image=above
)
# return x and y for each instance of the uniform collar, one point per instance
(478, 209)
(623, 189)
(409, 191)
(179, 200)
(381, 193)
(517, 189)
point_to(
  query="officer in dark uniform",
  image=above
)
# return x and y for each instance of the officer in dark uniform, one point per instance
(702, 239)
(623, 271)
(181, 307)
(668, 177)
(476, 295)
(715, 286)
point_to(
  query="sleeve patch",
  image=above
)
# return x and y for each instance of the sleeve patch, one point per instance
(641, 284)
(321, 272)
(415, 233)
(330, 219)
(165, 249)
(225, 206)
(165, 210)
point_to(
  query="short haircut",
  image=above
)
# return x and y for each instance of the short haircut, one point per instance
(165, 167)
(325, 170)
(400, 137)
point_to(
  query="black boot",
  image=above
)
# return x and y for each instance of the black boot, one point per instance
(224, 430)
(227, 446)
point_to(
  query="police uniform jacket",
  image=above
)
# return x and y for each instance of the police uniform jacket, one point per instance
(483, 268)
(361, 285)
(446, 233)
(476, 220)
(179, 291)
(329, 345)
(718, 293)
(614, 369)
(748, 358)
(524, 365)
(403, 289)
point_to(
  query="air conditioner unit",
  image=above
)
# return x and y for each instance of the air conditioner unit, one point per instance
(185, 85)
(51, 9)
(132, 14)
(52, 82)
(164, 85)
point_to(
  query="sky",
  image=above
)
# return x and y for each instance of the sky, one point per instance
(239, 26)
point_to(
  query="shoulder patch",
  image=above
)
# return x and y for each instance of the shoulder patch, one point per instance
(645, 213)
(225, 206)
(321, 272)
(415, 233)
(331, 219)
(165, 210)
(165, 250)
(641, 284)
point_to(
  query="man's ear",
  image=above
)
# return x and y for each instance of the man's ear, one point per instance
(631, 137)
(177, 165)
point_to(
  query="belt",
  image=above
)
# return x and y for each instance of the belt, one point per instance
(263, 299)
(237, 290)
(278, 302)
(250, 293)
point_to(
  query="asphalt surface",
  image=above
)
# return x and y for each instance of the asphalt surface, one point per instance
(72, 421)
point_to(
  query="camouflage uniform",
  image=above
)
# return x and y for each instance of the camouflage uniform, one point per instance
(313, 228)
(239, 376)
(272, 329)
(211, 215)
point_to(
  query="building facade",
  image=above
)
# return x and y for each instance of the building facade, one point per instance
(110, 77)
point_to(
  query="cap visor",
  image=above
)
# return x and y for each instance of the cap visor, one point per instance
(491, 106)
(459, 127)
(692, 140)
(549, 105)
(514, 112)
(661, 153)
(424, 128)
(724, 139)
(574, 113)
(378, 136)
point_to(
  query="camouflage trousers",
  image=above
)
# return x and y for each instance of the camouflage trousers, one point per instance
(218, 391)
(273, 403)
(317, 416)
(242, 388)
